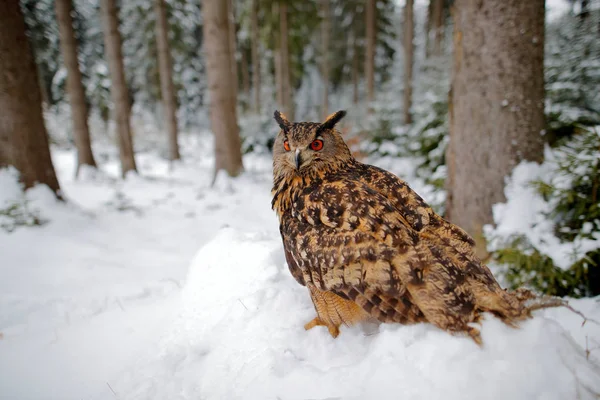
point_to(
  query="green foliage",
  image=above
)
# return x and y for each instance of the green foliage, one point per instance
(18, 213)
(427, 137)
(527, 266)
(573, 191)
(572, 65)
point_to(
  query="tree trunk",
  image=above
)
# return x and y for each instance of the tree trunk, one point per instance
(23, 136)
(408, 58)
(223, 112)
(288, 104)
(118, 87)
(75, 90)
(232, 47)
(255, 57)
(438, 26)
(429, 28)
(325, 51)
(165, 65)
(245, 79)
(354, 70)
(370, 50)
(497, 103)
(278, 75)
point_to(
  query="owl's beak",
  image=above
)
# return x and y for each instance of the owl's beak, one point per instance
(298, 159)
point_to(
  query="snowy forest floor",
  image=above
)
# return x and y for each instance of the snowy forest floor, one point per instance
(163, 287)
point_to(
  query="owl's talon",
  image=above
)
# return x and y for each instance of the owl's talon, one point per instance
(334, 331)
(316, 321)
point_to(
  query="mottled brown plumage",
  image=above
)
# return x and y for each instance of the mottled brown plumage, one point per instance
(367, 246)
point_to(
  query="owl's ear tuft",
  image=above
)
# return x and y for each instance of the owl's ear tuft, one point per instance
(282, 120)
(332, 119)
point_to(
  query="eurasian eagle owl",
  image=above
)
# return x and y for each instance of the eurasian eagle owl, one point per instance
(368, 247)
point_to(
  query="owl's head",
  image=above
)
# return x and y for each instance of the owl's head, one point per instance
(303, 148)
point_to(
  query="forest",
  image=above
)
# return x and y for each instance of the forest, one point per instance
(140, 256)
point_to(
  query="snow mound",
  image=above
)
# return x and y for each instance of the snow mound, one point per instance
(240, 335)
(525, 212)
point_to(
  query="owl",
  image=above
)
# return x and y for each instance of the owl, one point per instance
(366, 245)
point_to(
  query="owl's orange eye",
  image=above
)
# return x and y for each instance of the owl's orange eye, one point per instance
(286, 145)
(316, 145)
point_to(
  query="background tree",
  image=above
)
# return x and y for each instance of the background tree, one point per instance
(435, 27)
(118, 88)
(23, 136)
(497, 103)
(75, 89)
(223, 114)
(255, 56)
(233, 47)
(284, 54)
(166, 78)
(409, 49)
(325, 53)
(371, 10)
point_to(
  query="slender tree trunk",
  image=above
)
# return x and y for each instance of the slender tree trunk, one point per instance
(245, 79)
(75, 90)
(42, 83)
(255, 57)
(370, 49)
(497, 103)
(23, 136)
(278, 76)
(223, 112)
(232, 47)
(408, 58)
(355, 96)
(285, 62)
(429, 28)
(325, 51)
(438, 26)
(167, 88)
(118, 87)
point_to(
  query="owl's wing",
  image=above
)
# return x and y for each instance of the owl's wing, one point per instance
(416, 211)
(345, 237)
(432, 228)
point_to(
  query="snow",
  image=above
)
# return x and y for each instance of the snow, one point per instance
(163, 287)
(526, 213)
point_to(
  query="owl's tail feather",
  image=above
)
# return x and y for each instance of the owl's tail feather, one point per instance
(518, 305)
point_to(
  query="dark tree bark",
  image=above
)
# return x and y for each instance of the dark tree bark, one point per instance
(75, 90)
(438, 26)
(370, 49)
(255, 56)
(23, 136)
(232, 47)
(245, 79)
(497, 103)
(288, 103)
(408, 58)
(325, 51)
(167, 88)
(118, 87)
(355, 72)
(223, 113)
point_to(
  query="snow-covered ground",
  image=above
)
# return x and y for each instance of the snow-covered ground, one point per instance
(163, 287)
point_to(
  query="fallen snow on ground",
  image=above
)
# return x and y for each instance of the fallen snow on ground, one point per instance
(163, 287)
(526, 213)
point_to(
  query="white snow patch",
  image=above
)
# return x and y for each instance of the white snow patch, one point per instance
(526, 213)
(239, 335)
